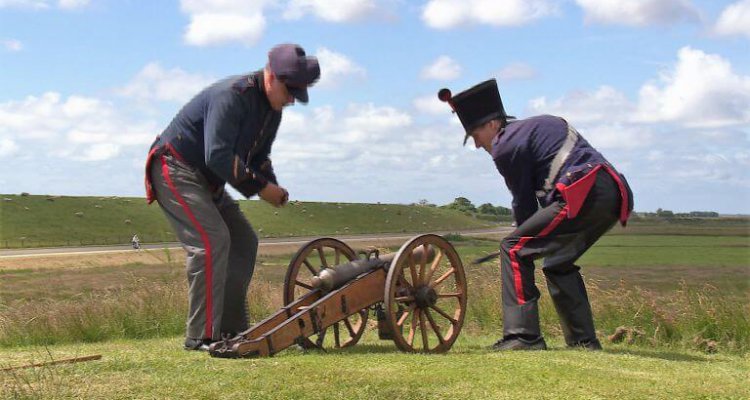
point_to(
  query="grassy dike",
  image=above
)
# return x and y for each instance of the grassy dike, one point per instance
(41, 221)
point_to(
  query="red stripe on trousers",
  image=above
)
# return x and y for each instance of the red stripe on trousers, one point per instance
(206, 243)
(518, 282)
(624, 214)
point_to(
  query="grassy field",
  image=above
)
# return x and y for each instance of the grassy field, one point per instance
(158, 369)
(39, 221)
(684, 298)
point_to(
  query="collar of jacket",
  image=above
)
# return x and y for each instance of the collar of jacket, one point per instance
(253, 83)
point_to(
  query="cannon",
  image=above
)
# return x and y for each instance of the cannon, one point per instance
(418, 296)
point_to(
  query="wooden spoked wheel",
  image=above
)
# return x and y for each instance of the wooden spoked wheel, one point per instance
(425, 300)
(308, 262)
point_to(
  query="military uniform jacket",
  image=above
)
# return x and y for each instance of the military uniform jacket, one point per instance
(524, 152)
(225, 132)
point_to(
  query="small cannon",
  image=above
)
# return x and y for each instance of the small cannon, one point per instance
(418, 295)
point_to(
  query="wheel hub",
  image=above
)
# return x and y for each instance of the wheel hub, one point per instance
(425, 296)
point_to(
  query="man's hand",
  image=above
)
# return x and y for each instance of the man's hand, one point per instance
(276, 195)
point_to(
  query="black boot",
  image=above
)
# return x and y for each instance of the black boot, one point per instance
(519, 343)
(197, 344)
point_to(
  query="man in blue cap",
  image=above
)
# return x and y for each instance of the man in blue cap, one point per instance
(224, 135)
(565, 197)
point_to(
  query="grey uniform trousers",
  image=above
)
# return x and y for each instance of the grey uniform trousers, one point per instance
(561, 241)
(220, 243)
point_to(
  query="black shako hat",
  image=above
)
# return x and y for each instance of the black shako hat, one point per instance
(477, 105)
(293, 67)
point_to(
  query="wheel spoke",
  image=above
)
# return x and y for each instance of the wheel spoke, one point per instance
(310, 267)
(423, 263)
(349, 327)
(443, 295)
(404, 299)
(444, 314)
(412, 329)
(434, 266)
(402, 279)
(321, 338)
(422, 327)
(337, 257)
(434, 326)
(322, 257)
(405, 315)
(304, 285)
(412, 271)
(336, 338)
(443, 277)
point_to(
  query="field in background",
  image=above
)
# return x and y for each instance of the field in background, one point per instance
(45, 221)
(48, 221)
(681, 292)
(678, 291)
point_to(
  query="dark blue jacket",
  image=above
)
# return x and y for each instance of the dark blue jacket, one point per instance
(523, 151)
(226, 132)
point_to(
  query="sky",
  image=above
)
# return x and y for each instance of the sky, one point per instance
(660, 87)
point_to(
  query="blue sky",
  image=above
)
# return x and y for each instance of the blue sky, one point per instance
(661, 87)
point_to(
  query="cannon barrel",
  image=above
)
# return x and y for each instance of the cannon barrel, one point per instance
(333, 278)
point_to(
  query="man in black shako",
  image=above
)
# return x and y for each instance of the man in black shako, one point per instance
(565, 197)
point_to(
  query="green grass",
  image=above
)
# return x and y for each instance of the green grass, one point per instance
(159, 369)
(679, 293)
(35, 221)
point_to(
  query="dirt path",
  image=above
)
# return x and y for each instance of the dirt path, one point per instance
(103, 258)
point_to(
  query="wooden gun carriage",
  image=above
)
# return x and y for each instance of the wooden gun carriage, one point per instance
(418, 295)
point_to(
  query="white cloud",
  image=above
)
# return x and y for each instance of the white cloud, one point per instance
(30, 4)
(638, 12)
(70, 4)
(331, 10)
(447, 14)
(366, 152)
(431, 105)
(153, 82)
(76, 127)
(606, 104)
(443, 68)
(372, 121)
(735, 19)
(618, 136)
(12, 45)
(215, 22)
(7, 147)
(336, 68)
(43, 4)
(516, 71)
(701, 91)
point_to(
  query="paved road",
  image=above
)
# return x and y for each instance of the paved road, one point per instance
(267, 242)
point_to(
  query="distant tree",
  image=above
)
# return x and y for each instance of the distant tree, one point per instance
(425, 203)
(503, 210)
(704, 214)
(487, 209)
(664, 213)
(461, 204)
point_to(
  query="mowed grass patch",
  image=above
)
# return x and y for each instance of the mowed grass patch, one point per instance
(158, 368)
(38, 221)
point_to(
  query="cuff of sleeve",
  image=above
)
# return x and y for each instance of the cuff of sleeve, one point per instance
(251, 187)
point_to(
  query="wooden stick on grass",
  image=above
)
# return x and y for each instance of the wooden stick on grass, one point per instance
(64, 361)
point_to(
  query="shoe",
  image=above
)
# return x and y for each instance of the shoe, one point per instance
(517, 343)
(197, 344)
(590, 345)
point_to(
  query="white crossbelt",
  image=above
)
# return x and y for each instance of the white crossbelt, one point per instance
(557, 163)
